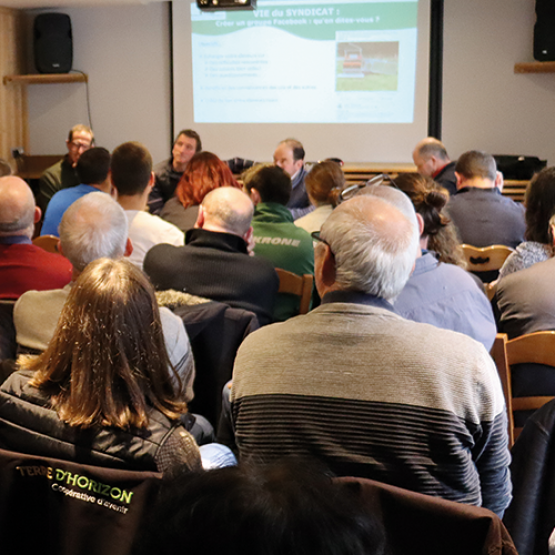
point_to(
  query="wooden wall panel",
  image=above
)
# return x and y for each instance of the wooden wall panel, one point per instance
(13, 98)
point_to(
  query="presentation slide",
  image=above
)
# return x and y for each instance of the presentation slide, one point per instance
(347, 78)
(311, 62)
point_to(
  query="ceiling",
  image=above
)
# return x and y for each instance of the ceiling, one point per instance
(29, 4)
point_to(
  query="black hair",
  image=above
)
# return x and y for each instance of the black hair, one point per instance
(93, 166)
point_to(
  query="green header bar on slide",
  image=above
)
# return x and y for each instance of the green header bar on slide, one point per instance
(311, 21)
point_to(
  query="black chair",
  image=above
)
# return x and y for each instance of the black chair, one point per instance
(215, 330)
(56, 507)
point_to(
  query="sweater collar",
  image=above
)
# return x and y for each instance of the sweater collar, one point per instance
(216, 240)
(357, 297)
(272, 212)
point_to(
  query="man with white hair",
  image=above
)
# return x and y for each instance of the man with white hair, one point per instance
(24, 266)
(365, 391)
(215, 262)
(95, 226)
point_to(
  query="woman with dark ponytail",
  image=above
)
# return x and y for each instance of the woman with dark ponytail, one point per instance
(440, 292)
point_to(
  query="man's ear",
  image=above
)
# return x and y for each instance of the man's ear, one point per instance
(59, 247)
(420, 221)
(128, 248)
(255, 196)
(37, 215)
(249, 238)
(298, 164)
(200, 218)
(460, 179)
(151, 181)
(324, 269)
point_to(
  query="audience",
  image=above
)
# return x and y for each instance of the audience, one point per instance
(93, 227)
(24, 266)
(92, 168)
(131, 175)
(205, 172)
(431, 160)
(276, 237)
(102, 393)
(481, 214)
(168, 172)
(283, 509)
(323, 184)
(289, 156)
(365, 391)
(215, 261)
(540, 207)
(62, 174)
(443, 295)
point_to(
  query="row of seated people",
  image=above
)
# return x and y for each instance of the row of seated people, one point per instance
(317, 354)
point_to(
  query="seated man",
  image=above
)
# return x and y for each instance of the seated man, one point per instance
(276, 237)
(62, 174)
(24, 266)
(92, 168)
(132, 176)
(93, 227)
(168, 173)
(431, 159)
(215, 261)
(365, 391)
(481, 214)
(289, 156)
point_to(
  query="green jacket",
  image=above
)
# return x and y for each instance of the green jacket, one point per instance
(286, 246)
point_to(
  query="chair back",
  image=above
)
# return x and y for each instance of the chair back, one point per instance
(7, 330)
(485, 259)
(296, 285)
(422, 524)
(56, 507)
(215, 331)
(47, 242)
(533, 348)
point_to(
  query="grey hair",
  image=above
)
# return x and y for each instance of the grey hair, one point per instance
(95, 226)
(373, 254)
(432, 147)
(400, 200)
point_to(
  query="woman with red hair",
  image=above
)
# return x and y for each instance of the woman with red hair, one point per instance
(205, 172)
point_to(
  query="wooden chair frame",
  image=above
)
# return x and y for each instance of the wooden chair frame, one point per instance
(538, 348)
(485, 259)
(296, 285)
(47, 242)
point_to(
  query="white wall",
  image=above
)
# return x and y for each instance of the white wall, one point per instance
(486, 105)
(125, 52)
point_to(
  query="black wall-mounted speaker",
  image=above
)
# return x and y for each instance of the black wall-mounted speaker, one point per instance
(53, 43)
(544, 31)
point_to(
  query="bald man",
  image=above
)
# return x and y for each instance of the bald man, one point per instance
(431, 159)
(24, 266)
(215, 261)
(365, 391)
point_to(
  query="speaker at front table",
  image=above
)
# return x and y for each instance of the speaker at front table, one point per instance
(544, 31)
(53, 43)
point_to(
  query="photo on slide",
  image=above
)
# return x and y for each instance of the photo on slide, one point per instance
(367, 66)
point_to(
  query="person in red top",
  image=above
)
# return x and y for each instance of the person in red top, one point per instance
(23, 266)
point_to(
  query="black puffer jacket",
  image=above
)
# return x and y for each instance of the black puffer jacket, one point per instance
(29, 425)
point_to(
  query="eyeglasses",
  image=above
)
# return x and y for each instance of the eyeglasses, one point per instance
(80, 146)
(352, 190)
(316, 237)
